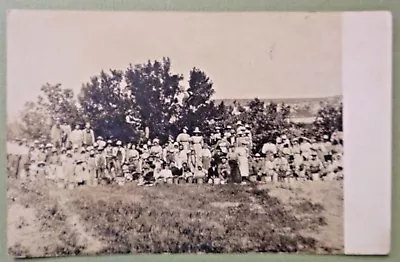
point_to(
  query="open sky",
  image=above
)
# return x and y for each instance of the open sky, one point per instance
(266, 55)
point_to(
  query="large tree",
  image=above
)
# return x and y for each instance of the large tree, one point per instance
(198, 108)
(329, 119)
(155, 90)
(105, 102)
(60, 103)
(55, 102)
(35, 121)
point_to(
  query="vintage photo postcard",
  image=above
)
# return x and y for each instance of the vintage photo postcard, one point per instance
(173, 132)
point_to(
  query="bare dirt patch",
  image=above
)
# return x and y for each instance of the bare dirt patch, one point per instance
(176, 219)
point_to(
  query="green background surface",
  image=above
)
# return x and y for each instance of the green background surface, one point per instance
(207, 6)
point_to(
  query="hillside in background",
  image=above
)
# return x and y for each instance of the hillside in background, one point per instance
(301, 107)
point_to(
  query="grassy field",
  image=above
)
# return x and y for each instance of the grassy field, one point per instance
(299, 217)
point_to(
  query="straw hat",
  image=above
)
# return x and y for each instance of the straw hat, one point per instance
(196, 130)
(41, 163)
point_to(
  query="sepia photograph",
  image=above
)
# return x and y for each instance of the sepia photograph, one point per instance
(174, 132)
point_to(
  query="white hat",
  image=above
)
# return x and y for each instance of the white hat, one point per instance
(284, 137)
(54, 150)
(89, 148)
(91, 152)
(257, 155)
(83, 149)
(99, 138)
(279, 140)
(156, 140)
(109, 141)
(239, 123)
(326, 137)
(228, 127)
(36, 142)
(49, 145)
(95, 145)
(196, 130)
(247, 126)
(119, 143)
(41, 146)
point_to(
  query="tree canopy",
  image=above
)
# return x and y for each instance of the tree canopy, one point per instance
(123, 104)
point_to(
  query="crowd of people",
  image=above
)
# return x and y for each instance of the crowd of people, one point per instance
(76, 157)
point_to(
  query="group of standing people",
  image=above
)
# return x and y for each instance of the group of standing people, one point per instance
(76, 157)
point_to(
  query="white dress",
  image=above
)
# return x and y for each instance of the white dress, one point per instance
(243, 161)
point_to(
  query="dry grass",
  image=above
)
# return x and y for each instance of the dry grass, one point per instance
(304, 218)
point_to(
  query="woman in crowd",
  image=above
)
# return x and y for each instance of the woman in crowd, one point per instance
(190, 159)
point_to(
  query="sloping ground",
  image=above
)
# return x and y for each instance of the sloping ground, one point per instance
(175, 219)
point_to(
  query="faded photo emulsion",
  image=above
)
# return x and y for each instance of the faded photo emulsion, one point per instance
(174, 132)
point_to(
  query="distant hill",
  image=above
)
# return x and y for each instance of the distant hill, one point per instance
(288, 101)
(301, 108)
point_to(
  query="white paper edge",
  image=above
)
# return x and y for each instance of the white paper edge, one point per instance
(367, 119)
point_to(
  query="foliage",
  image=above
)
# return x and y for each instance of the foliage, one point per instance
(35, 121)
(105, 101)
(328, 120)
(198, 110)
(155, 91)
(151, 97)
(56, 103)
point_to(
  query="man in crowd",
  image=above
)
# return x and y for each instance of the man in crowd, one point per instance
(76, 136)
(57, 134)
(88, 135)
(279, 158)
